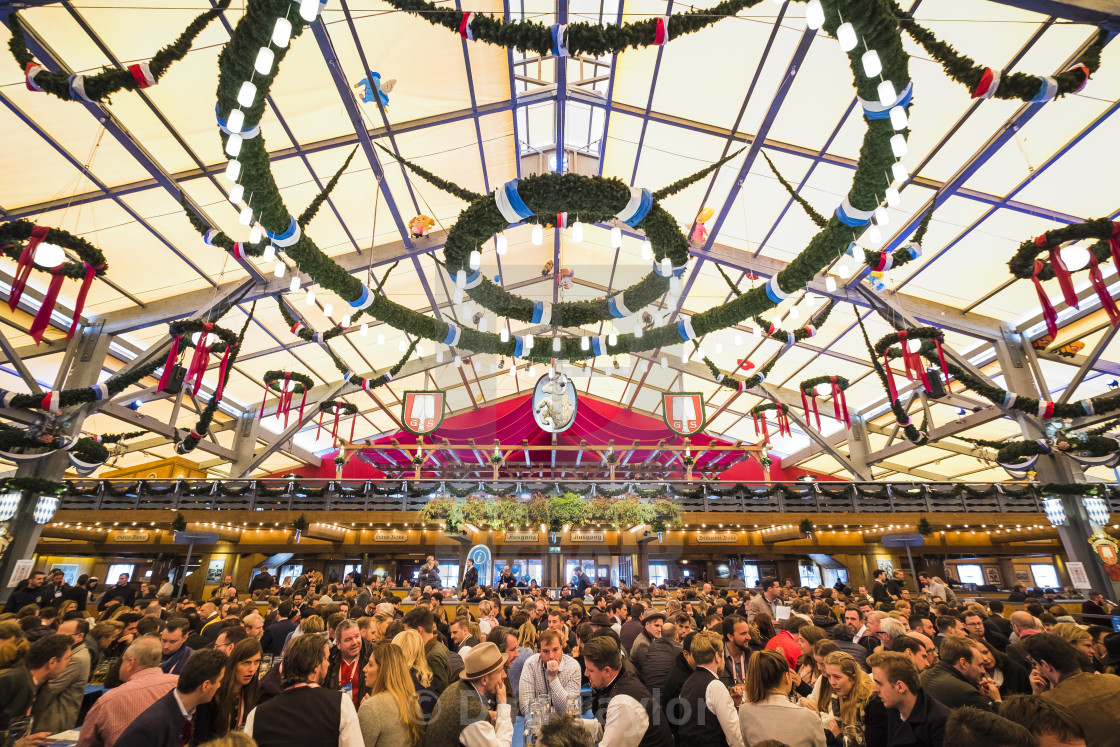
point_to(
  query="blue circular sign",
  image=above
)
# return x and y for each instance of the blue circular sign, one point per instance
(480, 556)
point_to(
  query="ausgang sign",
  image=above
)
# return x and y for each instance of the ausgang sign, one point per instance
(391, 536)
(522, 536)
(588, 536)
(719, 537)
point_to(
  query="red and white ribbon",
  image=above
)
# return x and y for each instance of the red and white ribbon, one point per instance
(1084, 70)
(142, 74)
(661, 31)
(26, 262)
(988, 85)
(172, 357)
(50, 402)
(465, 27)
(840, 403)
(43, 318)
(32, 69)
(1045, 409)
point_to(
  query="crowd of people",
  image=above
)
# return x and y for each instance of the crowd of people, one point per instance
(361, 664)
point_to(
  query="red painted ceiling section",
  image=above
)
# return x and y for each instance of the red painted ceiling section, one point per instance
(511, 422)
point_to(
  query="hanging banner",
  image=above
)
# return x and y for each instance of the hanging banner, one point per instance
(683, 412)
(422, 412)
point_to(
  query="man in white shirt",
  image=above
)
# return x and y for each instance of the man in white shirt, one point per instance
(550, 673)
(626, 715)
(712, 718)
(463, 715)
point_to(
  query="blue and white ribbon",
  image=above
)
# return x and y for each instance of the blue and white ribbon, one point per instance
(616, 305)
(510, 204)
(288, 237)
(1047, 90)
(677, 271)
(100, 392)
(1009, 400)
(1087, 406)
(1108, 460)
(542, 312)
(473, 280)
(453, 335)
(914, 248)
(77, 85)
(641, 200)
(248, 134)
(518, 347)
(685, 330)
(6, 398)
(851, 216)
(316, 337)
(209, 236)
(774, 291)
(559, 40)
(877, 110)
(83, 468)
(363, 301)
(598, 345)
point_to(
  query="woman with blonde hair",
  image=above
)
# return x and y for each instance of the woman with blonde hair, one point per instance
(767, 713)
(412, 646)
(381, 621)
(850, 710)
(65, 607)
(486, 618)
(1080, 639)
(391, 715)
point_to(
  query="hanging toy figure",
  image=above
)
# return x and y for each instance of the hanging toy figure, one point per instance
(566, 278)
(374, 89)
(699, 235)
(546, 269)
(420, 226)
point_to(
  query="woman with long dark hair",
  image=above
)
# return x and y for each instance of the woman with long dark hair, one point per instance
(236, 696)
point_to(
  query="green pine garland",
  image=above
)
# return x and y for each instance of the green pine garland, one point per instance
(300, 382)
(32, 485)
(914, 434)
(874, 20)
(15, 234)
(809, 386)
(1022, 264)
(1012, 86)
(110, 80)
(340, 406)
(592, 40)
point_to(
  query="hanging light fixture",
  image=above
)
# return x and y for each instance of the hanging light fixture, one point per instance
(233, 145)
(846, 35)
(538, 234)
(475, 259)
(501, 244)
(295, 284)
(364, 329)
(282, 33)
(894, 199)
(309, 10)
(263, 63)
(504, 334)
(899, 120)
(256, 234)
(280, 269)
(328, 310)
(269, 253)
(310, 299)
(830, 284)
(577, 232)
(872, 65)
(616, 237)
(247, 94)
(245, 217)
(647, 250)
(236, 193)
(233, 170)
(887, 94)
(814, 14)
(898, 145)
(236, 121)
(899, 172)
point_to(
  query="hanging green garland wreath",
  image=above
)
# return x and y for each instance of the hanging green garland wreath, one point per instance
(15, 234)
(187, 328)
(1022, 265)
(874, 21)
(809, 386)
(582, 38)
(339, 406)
(274, 380)
(102, 85)
(914, 434)
(984, 82)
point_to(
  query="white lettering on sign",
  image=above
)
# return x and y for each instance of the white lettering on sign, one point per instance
(390, 536)
(131, 536)
(719, 537)
(522, 536)
(588, 536)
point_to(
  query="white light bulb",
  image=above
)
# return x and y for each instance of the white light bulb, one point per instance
(577, 232)
(556, 344)
(246, 216)
(538, 234)
(236, 121)
(282, 33)
(381, 339)
(898, 118)
(527, 343)
(1075, 257)
(501, 244)
(269, 253)
(265, 58)
(310, 299)
(49, 255)
(247, 94)
(894, 199)
(666, 266)
(674, 286)
(814, 14)
(887, 95)
(913, 345)
(830, 284)
(616, 237)
(647, 250)
(364, 329)
(584, 343)
(532, 370)
(882, 218)
(843, 270)
(512, 368)
(874, 235)
(899, 173)
(309, 10)
(328, 308)
(346, 321)
(233, 145)
(483, 324)
(612, 339)
(794, 313)
(233, 170)
(280, 269)
(872, 65)
(503, 335)
(638, 332)
(295, 284)
(846, 35)
(439, 356)
(419, 351)
(236, 193)
(738, 339)
(898, 145)
(457, 296)
(402, 345)
(256, 234)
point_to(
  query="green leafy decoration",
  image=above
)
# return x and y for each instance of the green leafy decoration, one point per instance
(1022, 264)
(32, 485)
(15, 234)
(913, 434)
(592, 40)
(102, 85)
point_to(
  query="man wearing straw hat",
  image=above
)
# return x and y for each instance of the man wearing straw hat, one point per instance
(462, 715)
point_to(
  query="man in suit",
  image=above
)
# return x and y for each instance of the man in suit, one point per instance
(57, 704)
(46, 659)
(878, 588)
(169, 722)
(272, 643)
(470, 578)
(461, 635)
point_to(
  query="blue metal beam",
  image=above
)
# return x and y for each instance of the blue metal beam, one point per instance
(474, 108)
(649, 103)
(609, 97)
(335, 66)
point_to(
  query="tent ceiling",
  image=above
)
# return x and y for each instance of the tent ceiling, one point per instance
(479, 116)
